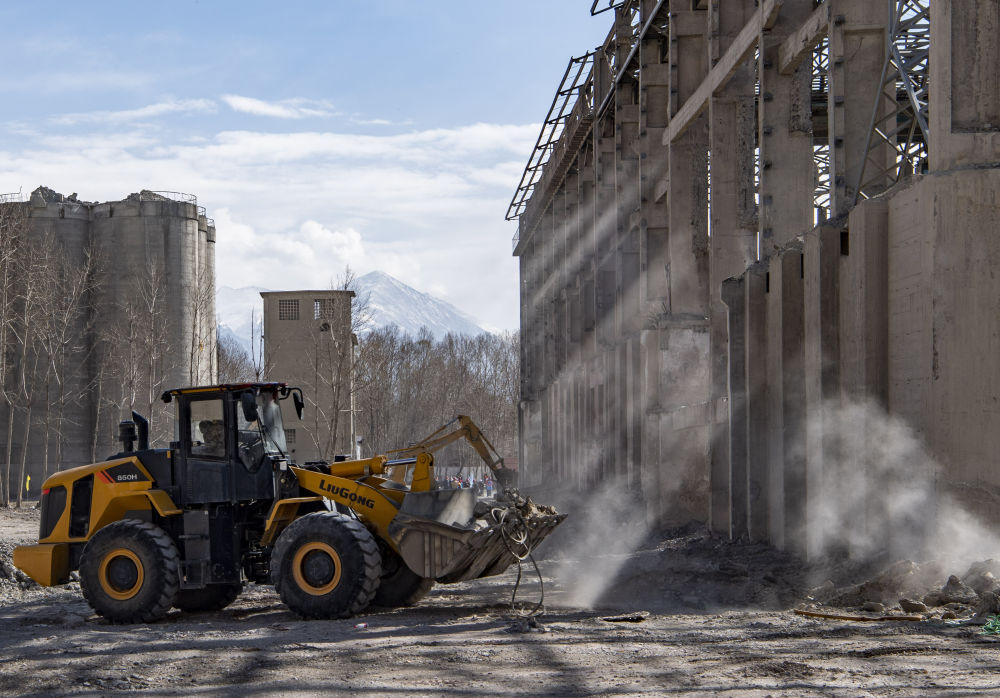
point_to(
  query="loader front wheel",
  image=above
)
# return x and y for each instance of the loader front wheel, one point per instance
(214, 597)
(326, 565)
(129, 572)
(400, 586)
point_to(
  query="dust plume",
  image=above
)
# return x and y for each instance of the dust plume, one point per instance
(609, 527)
(878, 494)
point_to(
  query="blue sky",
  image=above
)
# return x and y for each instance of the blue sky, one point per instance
(384, 135)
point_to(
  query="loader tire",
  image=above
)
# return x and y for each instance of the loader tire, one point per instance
(214, 597)
(326, 565)
(399, 585)
(129, 572)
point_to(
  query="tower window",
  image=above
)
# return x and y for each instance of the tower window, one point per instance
(323, 309)
(288, 309)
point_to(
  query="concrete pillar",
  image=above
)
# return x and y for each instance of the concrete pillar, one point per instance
(758, 460)
(786, 400)
(733, 221)
(823, 248)
(863, 320)
(785, 137)
(736, 495)
(588, 231)
(688, 171)
(857, 37)
(956, 377)
(654, 106)
(627, 200)
(965, 84)
(605, 242)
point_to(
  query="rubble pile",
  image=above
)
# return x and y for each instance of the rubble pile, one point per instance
(925, 589)
(12, 580)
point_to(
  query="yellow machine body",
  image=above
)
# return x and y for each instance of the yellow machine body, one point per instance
(121, 487)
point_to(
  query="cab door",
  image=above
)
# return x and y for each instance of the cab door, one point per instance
(207, 450)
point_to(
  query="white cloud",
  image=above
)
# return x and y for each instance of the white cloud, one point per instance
(292, 209)
(90, 80)
(150, 111)
(285, 109)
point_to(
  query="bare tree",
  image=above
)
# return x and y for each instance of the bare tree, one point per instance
(69, 286)
(408, 387)
(332, 356)
(202, 349)
(235, 364)
(138, 352)
(13, 222)
(30, 311)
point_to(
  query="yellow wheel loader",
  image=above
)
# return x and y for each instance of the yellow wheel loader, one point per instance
(189, 525)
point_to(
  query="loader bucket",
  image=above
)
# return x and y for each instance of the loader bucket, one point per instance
(448, 536)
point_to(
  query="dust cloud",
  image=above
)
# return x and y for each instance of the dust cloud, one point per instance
(878, 494)
(607, 528)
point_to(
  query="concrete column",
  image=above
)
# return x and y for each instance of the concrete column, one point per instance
(965, 84)
(758, 489)
(857, 38)
(654, 106)
(588, 250)
(653, 460)
(785, 137)
(688, 171)
(736, 495)
(733, 220)
(605, 242)
(526, 367)
(823, 248)
(786, 400)
(627, 200)
(863, 347)
(553, 287)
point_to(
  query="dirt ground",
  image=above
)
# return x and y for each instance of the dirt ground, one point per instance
(719, 621)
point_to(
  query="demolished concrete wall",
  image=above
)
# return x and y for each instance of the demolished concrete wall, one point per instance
(732, 252)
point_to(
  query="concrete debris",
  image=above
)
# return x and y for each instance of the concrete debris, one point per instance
(989, 605)
(636, 617)
(923, 589)
(983, 576)
(956, 591)
(911, 606)
(527, 625)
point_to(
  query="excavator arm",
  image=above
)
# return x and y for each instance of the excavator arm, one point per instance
(465, 429)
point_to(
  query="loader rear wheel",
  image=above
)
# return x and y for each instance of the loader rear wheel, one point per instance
(399, 586)
(326, 565)
(129, 572)
(214, 597)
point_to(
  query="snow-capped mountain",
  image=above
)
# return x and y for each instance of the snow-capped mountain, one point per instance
(390, 302)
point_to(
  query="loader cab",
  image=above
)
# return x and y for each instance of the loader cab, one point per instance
(229, 440)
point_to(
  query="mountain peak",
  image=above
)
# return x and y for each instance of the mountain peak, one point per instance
(390, 302)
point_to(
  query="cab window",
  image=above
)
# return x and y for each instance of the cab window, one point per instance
(207, 429)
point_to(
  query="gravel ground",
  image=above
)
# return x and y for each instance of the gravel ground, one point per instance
(717, 621)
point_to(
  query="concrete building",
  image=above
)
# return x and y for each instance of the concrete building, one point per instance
(742, 221)
(133, 282)
(308, 343)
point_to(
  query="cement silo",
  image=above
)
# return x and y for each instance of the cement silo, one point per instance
(147, 323)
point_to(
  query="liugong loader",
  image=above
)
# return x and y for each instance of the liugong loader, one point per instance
(189, 525)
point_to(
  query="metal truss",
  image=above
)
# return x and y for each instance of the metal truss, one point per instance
(819, 88)
(605, 5)
(899, 114)
(572, 88)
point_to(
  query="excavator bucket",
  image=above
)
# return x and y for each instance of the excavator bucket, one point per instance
(451, 537)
